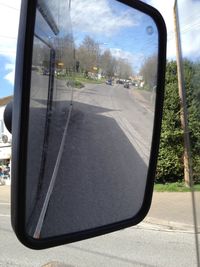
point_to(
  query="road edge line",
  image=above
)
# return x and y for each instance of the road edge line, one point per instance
(52, 182)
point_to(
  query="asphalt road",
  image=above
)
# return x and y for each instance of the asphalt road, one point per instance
(135, 246)
(91, 163)
(129, 123)
(102, 173)
(40, 128)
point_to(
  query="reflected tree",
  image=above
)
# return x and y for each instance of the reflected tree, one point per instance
(149, 71)
(88, 54)
(91, 59)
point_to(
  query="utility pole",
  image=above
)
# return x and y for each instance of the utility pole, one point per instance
(188, 176)
(182, 95)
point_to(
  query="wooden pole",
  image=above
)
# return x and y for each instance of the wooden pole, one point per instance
(188, 175)
(182, 95)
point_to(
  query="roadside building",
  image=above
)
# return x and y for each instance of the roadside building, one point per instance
(5, 149)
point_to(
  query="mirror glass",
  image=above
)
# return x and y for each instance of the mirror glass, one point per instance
(92, 100)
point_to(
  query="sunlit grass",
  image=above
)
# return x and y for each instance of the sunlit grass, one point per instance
(87, 80)
(174, 187)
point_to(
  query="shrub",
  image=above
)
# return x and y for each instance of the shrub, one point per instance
(170, 159)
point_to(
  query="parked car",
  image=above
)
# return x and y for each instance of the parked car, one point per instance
(126, 85)
(45, 72)
(109, 82)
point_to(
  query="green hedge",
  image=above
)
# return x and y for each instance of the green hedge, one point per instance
(170, 160)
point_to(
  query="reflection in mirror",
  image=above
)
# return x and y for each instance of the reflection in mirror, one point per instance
(92, 98)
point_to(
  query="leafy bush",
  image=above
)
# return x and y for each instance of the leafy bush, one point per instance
(170, 161)
(78, 84)
(170, 166)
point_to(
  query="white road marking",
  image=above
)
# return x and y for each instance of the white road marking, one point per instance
(4, 203)
(52, 182)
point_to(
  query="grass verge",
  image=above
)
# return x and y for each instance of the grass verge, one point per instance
(79, 79)
(87, 80)
(174, 187)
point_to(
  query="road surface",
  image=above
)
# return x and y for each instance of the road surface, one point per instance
(91, 164)
(136, 246)
(105, 157)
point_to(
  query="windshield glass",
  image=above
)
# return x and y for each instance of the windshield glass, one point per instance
(191, 76)
(166, 237)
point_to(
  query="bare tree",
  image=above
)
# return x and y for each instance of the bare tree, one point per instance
(149, 71)
(108, 63)
(65, 53)
(123, 68)
(88, 54)
(41, 55)
(91, 58)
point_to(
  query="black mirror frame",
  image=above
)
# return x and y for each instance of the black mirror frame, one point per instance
(20, 129)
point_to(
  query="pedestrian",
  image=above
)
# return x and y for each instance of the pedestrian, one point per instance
(1, 172)
(1, 177)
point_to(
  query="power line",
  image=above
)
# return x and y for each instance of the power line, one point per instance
(185, 27)
(4, 52)
(192, 26)
(187, 158)
(11, 7)
(8, 37)
(188, 18)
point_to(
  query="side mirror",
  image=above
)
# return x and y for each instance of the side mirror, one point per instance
(87, 114)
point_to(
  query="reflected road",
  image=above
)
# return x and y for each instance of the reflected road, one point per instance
(104, 161)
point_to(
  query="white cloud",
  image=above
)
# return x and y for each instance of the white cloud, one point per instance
(136, 60)
(9, 21)
(189, 24)
(119, 53)
(11, 75)
(128, 56)
(190, 27)
(96, 16)
(166, 10)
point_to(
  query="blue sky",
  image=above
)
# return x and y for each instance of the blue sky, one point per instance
(119, 34)
(117, 27)
(9, 19)
(6, 87)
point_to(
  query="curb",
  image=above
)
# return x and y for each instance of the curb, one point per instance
(160, 224)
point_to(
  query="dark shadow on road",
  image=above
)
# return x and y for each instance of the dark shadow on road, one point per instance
(101, 178)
